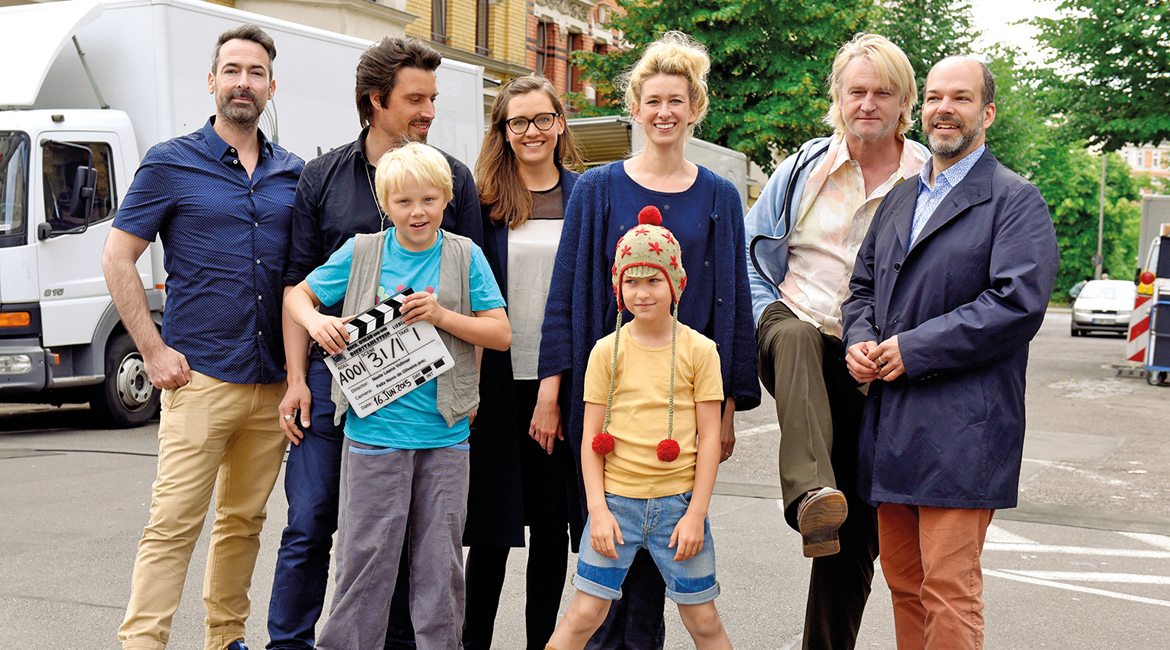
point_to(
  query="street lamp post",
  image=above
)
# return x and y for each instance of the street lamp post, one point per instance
(1098, 259)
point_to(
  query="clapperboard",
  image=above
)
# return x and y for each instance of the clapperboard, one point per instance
(386, 358)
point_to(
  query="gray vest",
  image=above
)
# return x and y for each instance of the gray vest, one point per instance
(458, 387)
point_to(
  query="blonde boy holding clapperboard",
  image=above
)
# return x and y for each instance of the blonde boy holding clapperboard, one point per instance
(405, 466)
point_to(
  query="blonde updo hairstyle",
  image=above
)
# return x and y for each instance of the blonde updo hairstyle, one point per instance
(678, 54)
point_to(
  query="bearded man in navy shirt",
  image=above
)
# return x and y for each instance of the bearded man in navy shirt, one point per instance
(221, 201)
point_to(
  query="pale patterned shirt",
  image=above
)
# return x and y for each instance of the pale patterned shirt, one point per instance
(929, 198)
(832, 219)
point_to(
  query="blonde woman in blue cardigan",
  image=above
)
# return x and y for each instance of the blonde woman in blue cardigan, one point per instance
(666, 94)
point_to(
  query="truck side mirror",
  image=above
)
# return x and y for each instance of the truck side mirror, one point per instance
(81, 193)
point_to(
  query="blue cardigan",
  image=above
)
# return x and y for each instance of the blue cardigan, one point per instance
(582, 283)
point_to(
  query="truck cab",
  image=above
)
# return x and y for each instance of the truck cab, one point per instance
(62, 175)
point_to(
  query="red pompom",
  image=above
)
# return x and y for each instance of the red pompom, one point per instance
(603, 444)
(667, 450)
(650, 215)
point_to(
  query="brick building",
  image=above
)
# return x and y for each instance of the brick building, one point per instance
(557, 28)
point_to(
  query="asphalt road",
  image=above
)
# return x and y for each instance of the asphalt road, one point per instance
(1084, 562)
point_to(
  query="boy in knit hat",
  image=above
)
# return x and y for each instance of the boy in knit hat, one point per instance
(652, 390)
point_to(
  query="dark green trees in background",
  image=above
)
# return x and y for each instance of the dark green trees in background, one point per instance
(1111, 69)
(1106, 83)
(769, 62)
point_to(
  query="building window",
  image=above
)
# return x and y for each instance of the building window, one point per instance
(439, 21)
(543, 48)
(481, 28)
(600, 49)
(574, 43)
(1149, 159)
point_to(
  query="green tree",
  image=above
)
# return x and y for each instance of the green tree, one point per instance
(1069, 177)
(769, 63)
(1044, 148)
(927, 31)
(1021, 130)
(1111, 62)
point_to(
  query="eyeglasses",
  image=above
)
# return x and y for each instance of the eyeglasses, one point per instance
(543, 122)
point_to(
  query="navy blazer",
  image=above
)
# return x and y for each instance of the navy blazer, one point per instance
(495, 503)
(964, 302)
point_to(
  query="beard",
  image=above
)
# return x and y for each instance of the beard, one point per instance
(414, 136)
(950, 147)
(242, 116)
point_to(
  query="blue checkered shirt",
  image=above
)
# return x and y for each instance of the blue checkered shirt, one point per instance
(930, 198)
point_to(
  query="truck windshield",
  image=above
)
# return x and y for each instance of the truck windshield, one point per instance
(14, 158)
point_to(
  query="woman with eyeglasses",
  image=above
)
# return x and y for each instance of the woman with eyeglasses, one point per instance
(515, 481)
(666, 94)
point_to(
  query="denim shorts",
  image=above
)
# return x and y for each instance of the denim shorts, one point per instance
(648, 523)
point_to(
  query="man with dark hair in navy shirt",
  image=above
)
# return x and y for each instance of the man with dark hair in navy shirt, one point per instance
(219, 198)
(395, 94)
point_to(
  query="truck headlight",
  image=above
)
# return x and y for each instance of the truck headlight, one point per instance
(15, 364)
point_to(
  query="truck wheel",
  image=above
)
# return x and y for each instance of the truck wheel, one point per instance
(126, 398)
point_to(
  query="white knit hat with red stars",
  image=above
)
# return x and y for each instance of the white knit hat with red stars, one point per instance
(646, 249)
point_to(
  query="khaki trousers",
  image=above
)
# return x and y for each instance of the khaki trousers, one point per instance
(930, 557)
(212, 435)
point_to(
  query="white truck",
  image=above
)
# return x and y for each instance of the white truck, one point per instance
(1155, 225)
(86, 88)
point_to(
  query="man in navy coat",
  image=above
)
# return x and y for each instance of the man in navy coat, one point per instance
(950, 286)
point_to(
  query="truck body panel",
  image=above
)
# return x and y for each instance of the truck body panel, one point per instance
(98, 84)
(1155, 216)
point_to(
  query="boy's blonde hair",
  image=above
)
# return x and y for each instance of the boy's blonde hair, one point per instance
(678, 54)
(424, 163)
(892, 67)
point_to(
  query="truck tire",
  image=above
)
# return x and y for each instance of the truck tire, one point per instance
(126, 398)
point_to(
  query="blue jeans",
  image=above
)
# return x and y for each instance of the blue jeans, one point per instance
(649, 523)
(312, 485)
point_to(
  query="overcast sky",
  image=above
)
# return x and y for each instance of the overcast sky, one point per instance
(993, 17)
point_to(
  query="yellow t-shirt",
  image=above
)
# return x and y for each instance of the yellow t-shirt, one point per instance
(638, 420)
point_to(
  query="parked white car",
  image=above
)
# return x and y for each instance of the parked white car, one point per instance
(1103, 306)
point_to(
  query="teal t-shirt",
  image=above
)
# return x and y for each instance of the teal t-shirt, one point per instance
(413, 420)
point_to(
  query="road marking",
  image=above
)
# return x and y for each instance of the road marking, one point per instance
(1077, 588)
(1077, 550)
(763, 428)
(1160, 541)
(997, 535)
(1077, 576)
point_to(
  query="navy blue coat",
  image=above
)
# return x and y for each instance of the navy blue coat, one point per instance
(964, 302)
(495, 503)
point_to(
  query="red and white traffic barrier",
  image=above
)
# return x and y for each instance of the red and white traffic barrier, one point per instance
(1139, 330)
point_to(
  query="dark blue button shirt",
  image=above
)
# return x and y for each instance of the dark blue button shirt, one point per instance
(225, 241)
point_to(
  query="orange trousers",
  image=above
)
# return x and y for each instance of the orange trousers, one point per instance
(930, 557)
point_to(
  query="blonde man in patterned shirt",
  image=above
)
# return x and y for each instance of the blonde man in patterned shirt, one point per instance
(803, 236)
